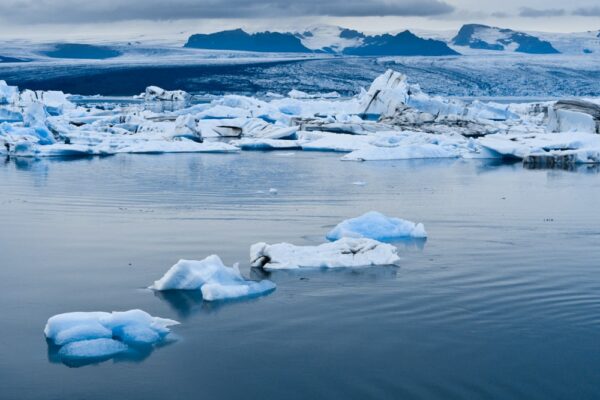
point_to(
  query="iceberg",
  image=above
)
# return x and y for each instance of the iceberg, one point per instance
(100, 335)
(8, 94)
(375, 225)
(215, 280)
(346, 252)
(409, 152)
(155, 93)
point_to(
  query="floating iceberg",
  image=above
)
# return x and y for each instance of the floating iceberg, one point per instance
(215, 280)
(410, 152)
(374, 225)
(154, 93)
(101, 335)
(346, 252)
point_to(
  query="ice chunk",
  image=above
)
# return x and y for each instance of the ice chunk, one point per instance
(298, 94)
(8, 94)
(375, 225)
(102, 334)
(409, 152)
(215, 280)
(346, 252)
(266, 144)
(154, 93)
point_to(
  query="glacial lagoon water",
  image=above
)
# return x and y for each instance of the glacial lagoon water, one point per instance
(501, 302)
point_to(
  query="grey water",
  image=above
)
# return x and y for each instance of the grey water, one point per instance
(501, 302)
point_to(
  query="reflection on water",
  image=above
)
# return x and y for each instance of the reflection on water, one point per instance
(189, 302)
(133, 354)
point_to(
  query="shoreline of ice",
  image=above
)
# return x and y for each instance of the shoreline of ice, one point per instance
(392, 120)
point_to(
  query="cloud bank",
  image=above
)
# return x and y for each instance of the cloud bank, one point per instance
(77, 11)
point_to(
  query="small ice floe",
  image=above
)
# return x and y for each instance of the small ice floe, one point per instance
(375, 225)
(215, 280)
(98, 336)
(273, 191)
(346, 252)
(359, 183)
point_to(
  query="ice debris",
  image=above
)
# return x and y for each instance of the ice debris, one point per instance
(215, 280)
(346, 252)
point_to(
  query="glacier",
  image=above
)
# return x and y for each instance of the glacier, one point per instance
(215, 280)
(375, 225)
(393, 119)
(343, 253)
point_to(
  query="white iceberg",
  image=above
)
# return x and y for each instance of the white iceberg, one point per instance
(377, 226)
(346, 252)
(103, 334)
(215, 280)
(409, 152)
(154, 93)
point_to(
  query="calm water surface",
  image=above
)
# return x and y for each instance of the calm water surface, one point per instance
(502, 301)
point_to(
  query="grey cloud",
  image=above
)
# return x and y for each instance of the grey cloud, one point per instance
(587, 11)
(500, 14)
(538, 13)
(78, 11)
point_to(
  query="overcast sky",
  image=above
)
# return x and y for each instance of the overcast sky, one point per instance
(122, 18)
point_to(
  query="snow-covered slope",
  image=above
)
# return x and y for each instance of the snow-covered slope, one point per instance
(486, 37)
(573, 43)
(330, 38)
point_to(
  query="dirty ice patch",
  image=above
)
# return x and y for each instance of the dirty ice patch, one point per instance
(346, 252)
(375, 225)
(215, 280)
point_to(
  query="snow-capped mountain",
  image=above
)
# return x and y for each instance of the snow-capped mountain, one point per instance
(238, 39)
(486, 37)
(334, 40)
(330, 38)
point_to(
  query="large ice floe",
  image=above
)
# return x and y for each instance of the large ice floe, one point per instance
(392, 120)
(83, 337)
(346, 252)
(374, 225)
(215, 280)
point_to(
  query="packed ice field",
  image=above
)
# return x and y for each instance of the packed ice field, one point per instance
(392, 120)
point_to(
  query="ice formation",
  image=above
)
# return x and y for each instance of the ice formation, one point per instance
(346, 252)
(392, 120)
(374, 225)
(84, 335)
(215, 280)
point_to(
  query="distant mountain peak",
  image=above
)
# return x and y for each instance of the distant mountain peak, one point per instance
(484, 37)
(323, 39)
